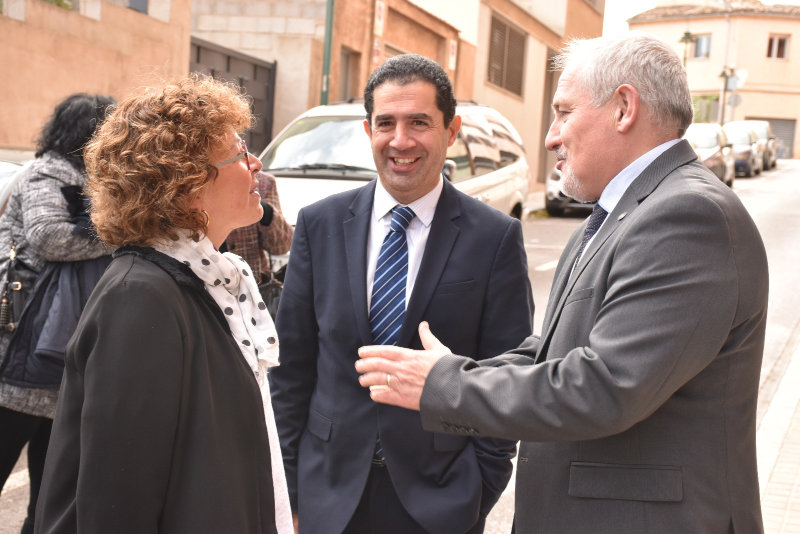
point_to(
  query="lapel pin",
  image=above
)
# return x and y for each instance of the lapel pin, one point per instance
(622, 215)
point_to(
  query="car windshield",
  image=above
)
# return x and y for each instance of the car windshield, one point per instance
(321, 143)
(761, 131)
(701, 137)
(738, 136)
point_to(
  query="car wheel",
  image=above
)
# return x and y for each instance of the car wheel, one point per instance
(554, 211)
(748, 171)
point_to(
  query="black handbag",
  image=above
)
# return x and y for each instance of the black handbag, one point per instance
(271, 289)
(17, 287)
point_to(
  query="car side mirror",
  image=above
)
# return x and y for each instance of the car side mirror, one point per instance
(449, 169)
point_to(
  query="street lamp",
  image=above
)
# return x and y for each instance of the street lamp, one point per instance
(727, 72)
(686, 39)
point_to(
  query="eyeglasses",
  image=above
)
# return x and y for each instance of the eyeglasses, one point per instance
(243, 154)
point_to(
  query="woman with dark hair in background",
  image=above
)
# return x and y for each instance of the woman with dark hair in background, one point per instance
(43, 226)
(164, 423)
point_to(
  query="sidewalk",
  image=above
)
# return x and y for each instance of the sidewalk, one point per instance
(778, 442)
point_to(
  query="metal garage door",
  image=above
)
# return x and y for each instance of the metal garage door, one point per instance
(784, 130)
(257, 77)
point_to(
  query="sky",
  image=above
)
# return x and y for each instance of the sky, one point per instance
(618, 11)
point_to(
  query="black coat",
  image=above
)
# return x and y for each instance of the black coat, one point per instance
(160, 424)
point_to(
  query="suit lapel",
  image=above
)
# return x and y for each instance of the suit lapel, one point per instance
(355, 228)
(443, 233)
(644, 184)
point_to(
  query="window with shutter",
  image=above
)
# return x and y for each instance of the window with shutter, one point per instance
(506, 56)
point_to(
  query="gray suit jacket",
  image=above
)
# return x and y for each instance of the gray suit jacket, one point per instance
(637, 405)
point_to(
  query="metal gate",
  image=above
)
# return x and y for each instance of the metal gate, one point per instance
(784, 132)
(256, 76)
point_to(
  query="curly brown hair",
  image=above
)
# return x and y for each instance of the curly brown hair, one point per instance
(150, 159)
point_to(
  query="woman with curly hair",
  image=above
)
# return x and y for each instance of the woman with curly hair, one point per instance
(44, 233)
(164, 422)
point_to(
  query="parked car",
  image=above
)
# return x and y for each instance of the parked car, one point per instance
(713, 149)
(766, 140)
(747, 152)
(556, 202)
(325, 151)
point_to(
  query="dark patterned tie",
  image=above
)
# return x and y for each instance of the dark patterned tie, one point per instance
(388, 305)
(595, 221)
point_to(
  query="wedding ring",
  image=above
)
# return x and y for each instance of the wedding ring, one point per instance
(388, 380)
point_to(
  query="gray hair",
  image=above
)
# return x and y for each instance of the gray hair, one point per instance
(601, 65)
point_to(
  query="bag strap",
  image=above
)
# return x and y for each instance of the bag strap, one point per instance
(6, 317)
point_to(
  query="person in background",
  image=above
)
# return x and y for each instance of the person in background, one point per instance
(354, 466)
(636, 405)
(271, 235)
(164, 423)
(43, 225)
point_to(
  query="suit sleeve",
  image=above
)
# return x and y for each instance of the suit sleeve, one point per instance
(132, 372)
(669, 305)
(292, 382)
(506, 321)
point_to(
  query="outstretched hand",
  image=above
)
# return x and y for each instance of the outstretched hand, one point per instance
(396, 375)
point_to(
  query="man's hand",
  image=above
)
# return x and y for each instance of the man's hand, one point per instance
(396, 375)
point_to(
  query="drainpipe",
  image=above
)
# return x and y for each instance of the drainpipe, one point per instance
(326, 54)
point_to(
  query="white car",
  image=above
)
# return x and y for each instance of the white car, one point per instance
(325, 151)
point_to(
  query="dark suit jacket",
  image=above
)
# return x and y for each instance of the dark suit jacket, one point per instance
(472, 288)
(160, 424)
(639, 415)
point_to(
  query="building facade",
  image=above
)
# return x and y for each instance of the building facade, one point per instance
(742, 60)
(51, 50)
(495, 51)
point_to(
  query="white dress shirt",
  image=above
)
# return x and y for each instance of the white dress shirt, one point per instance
(416, 233)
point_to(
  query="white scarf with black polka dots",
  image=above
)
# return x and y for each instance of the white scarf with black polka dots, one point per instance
(230, 283)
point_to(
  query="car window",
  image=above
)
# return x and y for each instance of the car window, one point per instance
(510, 149)
(485, 155)
(739, 136)
(320, 141)
(458, 154)
(702, 137)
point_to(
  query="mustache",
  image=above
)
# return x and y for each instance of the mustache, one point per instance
(560, 154)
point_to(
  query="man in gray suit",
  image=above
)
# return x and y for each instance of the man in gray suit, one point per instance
(636, 406)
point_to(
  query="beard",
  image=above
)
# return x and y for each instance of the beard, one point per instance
(570, 183)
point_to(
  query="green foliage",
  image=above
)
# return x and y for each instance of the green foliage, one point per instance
(704, 107)
(66, 4)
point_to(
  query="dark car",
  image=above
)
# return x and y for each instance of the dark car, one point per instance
(555, 201)
(766, 140)
(747, 153)
(713, 149)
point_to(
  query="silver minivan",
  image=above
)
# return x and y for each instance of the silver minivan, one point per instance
(325, 151)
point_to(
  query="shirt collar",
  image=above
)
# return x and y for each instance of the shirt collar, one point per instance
(617, 187)
(424, 207)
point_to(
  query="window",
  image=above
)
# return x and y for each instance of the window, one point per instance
(506, 56)
(702, 46)
(776, 48)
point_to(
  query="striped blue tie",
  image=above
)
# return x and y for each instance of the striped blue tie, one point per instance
(388, 305)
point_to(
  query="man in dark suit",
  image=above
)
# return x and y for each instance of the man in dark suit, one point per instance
(353, 466)
(637, 403)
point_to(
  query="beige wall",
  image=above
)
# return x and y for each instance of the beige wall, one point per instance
(290, 33)
(772, 87)
(524, 112)
(55, 52)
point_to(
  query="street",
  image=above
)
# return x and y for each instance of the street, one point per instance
(772, 200)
